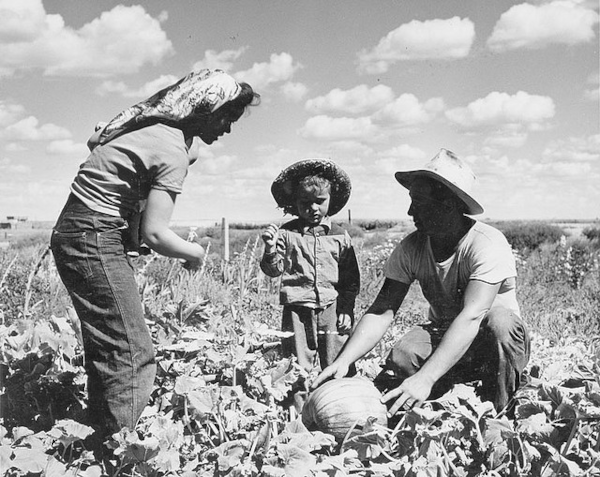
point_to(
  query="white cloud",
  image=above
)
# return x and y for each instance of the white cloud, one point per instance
(400, 158)
(219, 165)
(537, 26)
(506, 138)
(338, 129)
(222, 60)
(294, 92)
(64, 147)
(10, 112)
(120, 41)
(496, 109)
(574, 149)
(28, 129)
(419, 40)
(145, 91)
(280, 68)
(593, 94)
(7, 167)
(15, 147)
(407, 110)
(21, 20)
(358, 100)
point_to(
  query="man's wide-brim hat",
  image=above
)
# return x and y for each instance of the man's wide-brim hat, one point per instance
(448, 169)
(285, 184)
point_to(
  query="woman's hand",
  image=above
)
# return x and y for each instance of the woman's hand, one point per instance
(197, 263)
(156, 232)
(269, 237)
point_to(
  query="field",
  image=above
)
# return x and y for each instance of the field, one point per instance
(220, 405)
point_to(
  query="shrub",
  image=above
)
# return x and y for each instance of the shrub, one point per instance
(591, 233)
(528, 236)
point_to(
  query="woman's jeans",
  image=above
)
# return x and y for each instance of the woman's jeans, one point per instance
(497, 358)
(119, 357)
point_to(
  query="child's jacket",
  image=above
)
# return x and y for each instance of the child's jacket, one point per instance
(318, 266)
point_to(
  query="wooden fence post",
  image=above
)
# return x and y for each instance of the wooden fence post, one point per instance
(225, 238)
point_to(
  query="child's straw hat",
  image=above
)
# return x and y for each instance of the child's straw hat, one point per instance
(284, 185)
(448, 169)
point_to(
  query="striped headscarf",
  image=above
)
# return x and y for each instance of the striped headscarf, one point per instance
(197, 94)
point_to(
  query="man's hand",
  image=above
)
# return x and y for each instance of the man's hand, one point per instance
(336, 370)
(269, 237)
(344, 323)
(411, 393)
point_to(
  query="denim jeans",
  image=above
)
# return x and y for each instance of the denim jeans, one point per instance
(88, 249)
(497, 357)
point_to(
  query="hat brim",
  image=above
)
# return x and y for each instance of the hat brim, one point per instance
(284, 184)
(407, 178)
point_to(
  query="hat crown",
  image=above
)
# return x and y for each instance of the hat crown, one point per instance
(448, 166)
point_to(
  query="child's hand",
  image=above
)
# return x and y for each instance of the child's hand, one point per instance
(344, 323)
(270, 236)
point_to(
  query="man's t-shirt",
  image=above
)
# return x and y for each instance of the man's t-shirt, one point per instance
(116, 178)
(482, 254)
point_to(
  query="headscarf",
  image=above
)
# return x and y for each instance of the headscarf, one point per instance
(197, 94)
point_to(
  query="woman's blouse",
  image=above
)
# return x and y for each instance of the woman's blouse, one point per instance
(116, 178)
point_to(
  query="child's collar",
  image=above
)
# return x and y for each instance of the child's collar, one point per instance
(326, 223)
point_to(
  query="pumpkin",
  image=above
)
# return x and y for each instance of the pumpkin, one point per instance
(341, 404)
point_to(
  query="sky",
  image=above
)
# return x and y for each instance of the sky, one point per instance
(376, 86)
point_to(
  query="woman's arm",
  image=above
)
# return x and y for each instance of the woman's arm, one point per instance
(156, 232)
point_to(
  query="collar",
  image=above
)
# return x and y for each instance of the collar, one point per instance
(325, 223)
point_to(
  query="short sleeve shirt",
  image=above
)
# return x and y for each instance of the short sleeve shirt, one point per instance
(117, 177)
(482, 254)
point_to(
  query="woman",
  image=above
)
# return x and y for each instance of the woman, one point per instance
(123, 193)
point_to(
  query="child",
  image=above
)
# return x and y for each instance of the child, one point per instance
(319, 272)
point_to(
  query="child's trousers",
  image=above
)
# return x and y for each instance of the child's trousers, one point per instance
(316, 339)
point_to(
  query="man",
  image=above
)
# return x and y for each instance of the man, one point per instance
(467, 273)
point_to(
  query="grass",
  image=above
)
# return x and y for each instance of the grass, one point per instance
(558, 285)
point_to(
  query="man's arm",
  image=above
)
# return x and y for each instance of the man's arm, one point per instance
(369, 330)
(478, 299)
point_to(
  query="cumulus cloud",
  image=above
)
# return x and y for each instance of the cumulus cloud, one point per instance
(67, 147)
(506, 138)
(407, 110)
(280, 68)
(120, 41)
(338, 129)
(222, 60)
(574, 149)
(537, 26)
(294, 92)
(593, 94)
(521, 110)
(29, 129)
(358, 100)
(9, 112)
(7, 166)
(404, 157)
(419, 40)
(145, 91)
